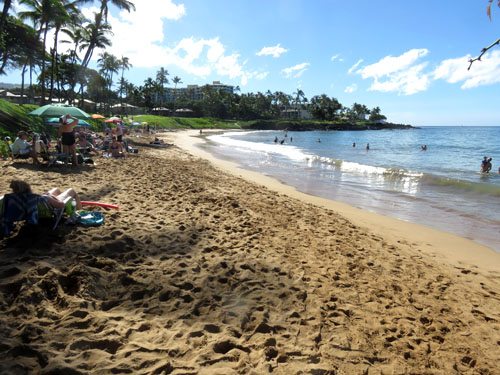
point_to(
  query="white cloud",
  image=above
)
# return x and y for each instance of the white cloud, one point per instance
(139, 36)
(390, 64)
(352, 68)
(399, 74)
(295, 71)
(484, 72)
(336, 58)
(275, 51)
(351, 88)
(261, 75)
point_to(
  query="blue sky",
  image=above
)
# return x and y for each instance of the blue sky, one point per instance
(407, 57)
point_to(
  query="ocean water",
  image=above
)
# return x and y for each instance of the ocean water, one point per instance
(441, 187)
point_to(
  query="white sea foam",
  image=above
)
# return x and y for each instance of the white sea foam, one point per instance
(286, 150)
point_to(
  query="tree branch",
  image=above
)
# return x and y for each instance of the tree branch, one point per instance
(483, 51)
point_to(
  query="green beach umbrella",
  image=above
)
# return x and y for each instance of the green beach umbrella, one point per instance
(55, 121)
(58, 110)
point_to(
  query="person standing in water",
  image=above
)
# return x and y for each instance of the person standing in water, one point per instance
(367, 146)
(486, 165)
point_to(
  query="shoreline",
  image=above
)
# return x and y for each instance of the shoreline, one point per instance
(202, 272)
(451, 248)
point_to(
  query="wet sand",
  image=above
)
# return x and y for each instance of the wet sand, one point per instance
(201, 271)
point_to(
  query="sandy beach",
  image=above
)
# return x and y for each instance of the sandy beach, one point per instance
(209, 269)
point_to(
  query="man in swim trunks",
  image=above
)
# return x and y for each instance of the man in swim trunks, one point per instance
(68, 139)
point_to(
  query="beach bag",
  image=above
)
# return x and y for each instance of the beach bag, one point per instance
(90, 218)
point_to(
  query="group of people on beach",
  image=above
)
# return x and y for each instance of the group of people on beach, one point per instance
(78, 143)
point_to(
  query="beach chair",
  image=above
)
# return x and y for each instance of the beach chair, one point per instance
(30, 208)
(18, 156)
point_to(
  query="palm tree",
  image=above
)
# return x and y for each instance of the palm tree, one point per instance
(41, 13)
(176, 80)
(124, 64)
(64, 13)
(5, 11)
(95, 36)
(109, 64)
(101, 19)
(149, 90)
(161, 80)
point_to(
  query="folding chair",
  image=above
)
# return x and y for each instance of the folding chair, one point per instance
(45, 211)
(16, 156)
(29, 208)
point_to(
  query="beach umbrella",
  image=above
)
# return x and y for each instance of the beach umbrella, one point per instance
(97, 116)
(58, 110)
(55, 121)
(114, 120)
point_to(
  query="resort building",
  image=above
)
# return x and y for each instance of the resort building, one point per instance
(195, 92)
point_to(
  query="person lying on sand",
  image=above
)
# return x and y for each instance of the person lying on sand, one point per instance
(157, 141)
(54, 197)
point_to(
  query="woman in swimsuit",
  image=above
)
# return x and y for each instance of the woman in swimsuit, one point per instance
(68, 140)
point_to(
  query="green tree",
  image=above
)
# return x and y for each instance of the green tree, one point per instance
(325, 108)
(376, 115)
(161, 81)
(360, 111)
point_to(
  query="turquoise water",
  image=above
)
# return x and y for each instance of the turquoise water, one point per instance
(440, 187)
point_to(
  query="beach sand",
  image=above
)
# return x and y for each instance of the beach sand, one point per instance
(201, 271)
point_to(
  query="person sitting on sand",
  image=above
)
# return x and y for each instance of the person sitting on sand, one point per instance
(116, 149)
(22, 148)
(84, 145)
(54, 197)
